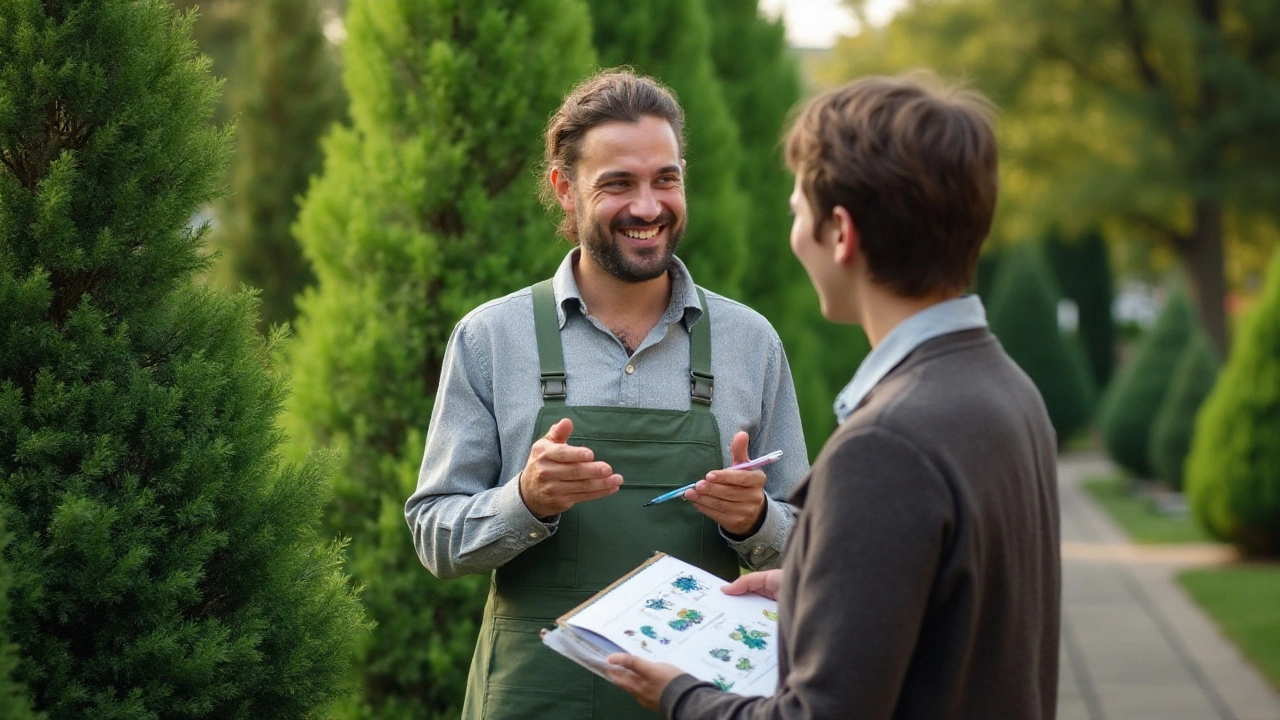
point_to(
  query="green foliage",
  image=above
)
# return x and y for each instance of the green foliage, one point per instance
(164, 562)
(1133, 401)
(671, 40)
(1153, 118)
(285, 95)
(14, 704)
(1023, 313)
(1082, 268)
(1193, 378)
(1233, 471)
(427, 206)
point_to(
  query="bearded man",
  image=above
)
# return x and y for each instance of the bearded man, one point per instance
(565, 406)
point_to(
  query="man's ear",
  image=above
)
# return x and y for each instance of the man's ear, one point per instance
(563, 186)
(846, 242)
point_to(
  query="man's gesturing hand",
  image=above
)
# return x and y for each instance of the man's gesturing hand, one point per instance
(733, 498)
(559, 476)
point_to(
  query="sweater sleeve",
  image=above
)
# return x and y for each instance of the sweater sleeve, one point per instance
(875, 525)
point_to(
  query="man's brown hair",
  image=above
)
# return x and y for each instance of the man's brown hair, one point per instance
(914, 164)
(613, 95)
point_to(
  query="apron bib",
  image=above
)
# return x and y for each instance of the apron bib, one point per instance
(513, 675)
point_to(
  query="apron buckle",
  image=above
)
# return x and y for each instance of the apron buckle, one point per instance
(702, 386)
(553, 385)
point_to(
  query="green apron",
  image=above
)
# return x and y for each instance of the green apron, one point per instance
(513, 675)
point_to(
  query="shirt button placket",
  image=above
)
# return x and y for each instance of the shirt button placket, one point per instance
(629, 383)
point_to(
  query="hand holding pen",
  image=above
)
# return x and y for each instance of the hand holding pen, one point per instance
(733, 497)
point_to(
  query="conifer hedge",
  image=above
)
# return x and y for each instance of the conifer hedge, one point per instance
(164, 563)
(427, 206)
(1133, 401)
(1193, 378)
(1023, 313)
(1233, 470)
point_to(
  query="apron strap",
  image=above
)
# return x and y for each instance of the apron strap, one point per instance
(702, 383)
(546, 325)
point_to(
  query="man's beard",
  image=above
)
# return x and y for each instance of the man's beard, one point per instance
(607, 253)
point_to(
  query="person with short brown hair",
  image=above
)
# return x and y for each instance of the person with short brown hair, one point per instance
(922, 580)
(565, 406)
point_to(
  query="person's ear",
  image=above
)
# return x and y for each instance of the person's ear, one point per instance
(563, 186)
(845, 240)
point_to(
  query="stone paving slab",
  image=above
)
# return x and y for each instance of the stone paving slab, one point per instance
(1134, 646)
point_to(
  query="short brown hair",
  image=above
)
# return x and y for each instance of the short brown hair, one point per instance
(914, 164)
(613, 95)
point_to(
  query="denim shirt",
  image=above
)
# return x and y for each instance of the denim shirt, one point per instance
(466, 514)
(962, 313)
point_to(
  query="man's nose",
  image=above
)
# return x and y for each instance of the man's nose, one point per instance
(646, 206)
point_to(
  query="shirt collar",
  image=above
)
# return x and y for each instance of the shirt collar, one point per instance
(962, 313)
(684, 295)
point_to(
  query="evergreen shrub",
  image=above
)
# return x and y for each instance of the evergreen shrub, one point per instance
(1233, 470)
(1193, 378)
(1023, 313)
(164, 562)
(1133, 401)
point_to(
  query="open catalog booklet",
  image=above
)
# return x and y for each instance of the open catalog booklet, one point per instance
(669, 611)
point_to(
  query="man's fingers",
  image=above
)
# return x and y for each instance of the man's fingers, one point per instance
(742, 585)
(738, 448)
(574, 472)
(560, 432)
(734, 478)
(568, 454)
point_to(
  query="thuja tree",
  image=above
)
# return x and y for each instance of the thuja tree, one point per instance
(1082, 267)
(165, 564)
(1193, 378)
(1133, 401)
(286, 93)
(1233, 471)
(671, 41)
(427, 206)
(1023, 313)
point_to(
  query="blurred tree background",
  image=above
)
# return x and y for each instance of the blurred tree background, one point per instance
(383, 184)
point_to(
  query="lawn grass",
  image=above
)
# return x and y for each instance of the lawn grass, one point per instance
(1138, 517)
(1245, 601)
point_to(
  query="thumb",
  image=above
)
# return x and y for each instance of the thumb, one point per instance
(560, 432)
(742, 585)
(738, 448)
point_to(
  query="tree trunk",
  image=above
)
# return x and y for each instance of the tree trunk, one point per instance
(1202, 256)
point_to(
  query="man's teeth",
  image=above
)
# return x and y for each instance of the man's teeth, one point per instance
(640, 234)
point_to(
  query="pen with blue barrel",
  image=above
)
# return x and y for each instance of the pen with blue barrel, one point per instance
(748, 465)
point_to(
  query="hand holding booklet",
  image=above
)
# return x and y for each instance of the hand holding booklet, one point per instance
(669, 611)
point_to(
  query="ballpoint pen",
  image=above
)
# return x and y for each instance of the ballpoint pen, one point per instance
(748, 465)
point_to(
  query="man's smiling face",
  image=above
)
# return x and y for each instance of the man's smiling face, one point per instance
(628, 198)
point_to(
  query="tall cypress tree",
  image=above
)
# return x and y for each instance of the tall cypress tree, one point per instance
(427, 206)
(671, 41)
(1082, 267)
(1023, 313)
(1133, 401)
(164, 562)
(285, 95)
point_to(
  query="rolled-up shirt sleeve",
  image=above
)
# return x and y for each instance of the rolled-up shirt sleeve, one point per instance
(463, 518)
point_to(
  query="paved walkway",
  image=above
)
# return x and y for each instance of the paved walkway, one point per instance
(1134, 646)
